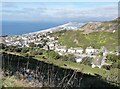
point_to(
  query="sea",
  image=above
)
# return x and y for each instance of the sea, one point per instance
(20, 27)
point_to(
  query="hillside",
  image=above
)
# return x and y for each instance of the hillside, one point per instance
(97, 37)
(106, 25)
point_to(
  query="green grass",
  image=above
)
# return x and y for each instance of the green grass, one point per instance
(73, 65)
(95, 39)
(80, 67)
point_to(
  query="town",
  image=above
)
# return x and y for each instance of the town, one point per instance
(45, 41)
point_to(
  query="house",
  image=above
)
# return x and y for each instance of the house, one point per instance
(51, 38)
(79, 50)
(61, 49)
(117, 53)
(89, 50)
(46, 47)
(51, 46)
(78, 58)
(71, 50)
(98, 61)
(96, 50)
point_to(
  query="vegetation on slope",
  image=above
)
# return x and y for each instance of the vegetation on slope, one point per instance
(96, 39)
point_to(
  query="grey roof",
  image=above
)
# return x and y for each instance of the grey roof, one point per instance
(98, 60)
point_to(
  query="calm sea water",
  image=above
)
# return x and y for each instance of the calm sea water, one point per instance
(14, 27)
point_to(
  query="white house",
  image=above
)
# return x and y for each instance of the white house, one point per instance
(71, 50)
(78, 58)
(61, 49)
(51, 38)
(46, 47)
(51, 46)
(79, 50)
(89, 50)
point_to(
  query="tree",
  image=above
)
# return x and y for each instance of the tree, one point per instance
(112, 57)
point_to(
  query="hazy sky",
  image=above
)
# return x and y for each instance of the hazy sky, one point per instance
(59, 11)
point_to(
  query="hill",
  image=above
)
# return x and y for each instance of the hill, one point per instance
(95, 34)
(106, 25)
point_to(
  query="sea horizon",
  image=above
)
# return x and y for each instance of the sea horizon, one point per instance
(24, 27)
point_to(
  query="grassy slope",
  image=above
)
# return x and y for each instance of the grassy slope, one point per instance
(95, 39)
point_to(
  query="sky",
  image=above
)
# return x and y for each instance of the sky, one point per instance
(58, 11)
(60, 0)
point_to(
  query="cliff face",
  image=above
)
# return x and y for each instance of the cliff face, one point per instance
(102, 26)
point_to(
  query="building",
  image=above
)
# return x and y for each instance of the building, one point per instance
(89, 50)
(51, 46)
(79, 50)
(46, 47)
(98, 61)
(61, 49)
(78, 58)
(71, 50)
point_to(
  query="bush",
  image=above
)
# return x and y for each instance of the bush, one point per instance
(112, 57)
(107, 67)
